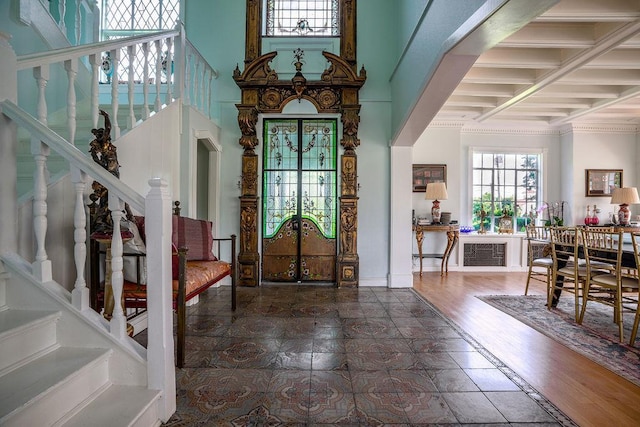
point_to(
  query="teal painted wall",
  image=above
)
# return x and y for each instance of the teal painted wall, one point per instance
(217, 29)
(438, 19)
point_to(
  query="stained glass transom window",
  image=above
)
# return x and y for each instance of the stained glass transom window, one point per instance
(299, 179)
(310, 18)
(126, 18)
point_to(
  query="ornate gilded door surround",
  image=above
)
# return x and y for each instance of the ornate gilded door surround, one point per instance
(335, 92)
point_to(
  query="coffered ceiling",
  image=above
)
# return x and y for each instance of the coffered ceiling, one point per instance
(578, 62)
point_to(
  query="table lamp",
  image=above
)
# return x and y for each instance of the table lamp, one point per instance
(436, 191)
(624, 197)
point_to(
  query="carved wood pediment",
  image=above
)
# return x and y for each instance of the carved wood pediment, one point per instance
(260, 84)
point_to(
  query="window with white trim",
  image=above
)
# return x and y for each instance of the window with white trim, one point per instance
(505, 182)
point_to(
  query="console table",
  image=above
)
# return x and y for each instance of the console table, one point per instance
(453, 234)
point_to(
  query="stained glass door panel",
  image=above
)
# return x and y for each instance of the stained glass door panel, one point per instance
(299, 200)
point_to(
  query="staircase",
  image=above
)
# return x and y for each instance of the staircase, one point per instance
(61, 363)
(51, 374)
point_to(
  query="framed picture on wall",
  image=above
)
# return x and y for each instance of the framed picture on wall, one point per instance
(602, 182)
(424, 174)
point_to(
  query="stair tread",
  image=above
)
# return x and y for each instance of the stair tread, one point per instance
(19, 387)
(16, 319)
(117, 406)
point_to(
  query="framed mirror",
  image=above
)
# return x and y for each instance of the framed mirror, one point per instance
(601, 182)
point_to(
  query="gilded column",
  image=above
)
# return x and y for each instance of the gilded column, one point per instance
(348, 260)
(253, 41)
(248, 257)
(348, 32)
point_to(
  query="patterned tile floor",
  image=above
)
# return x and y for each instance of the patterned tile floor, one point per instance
(315, 355)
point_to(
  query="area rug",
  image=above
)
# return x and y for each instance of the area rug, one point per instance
(596, 338)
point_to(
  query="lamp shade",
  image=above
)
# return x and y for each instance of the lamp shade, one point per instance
(436, 191)
(625, 196)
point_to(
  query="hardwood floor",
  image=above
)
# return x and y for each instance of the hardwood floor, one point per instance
(586, 392)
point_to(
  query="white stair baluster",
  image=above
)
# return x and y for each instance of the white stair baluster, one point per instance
(95, 61)
(115, 79)
(197, 78)
(41, 265)
(62, 9)
(71, 66)
(207, 108)
(186, 89)
(41, 74)
(158, 103)
(145, 82)
(78, 21)
(80, 293)
(131, 53)
(118, 323)
(169, 97)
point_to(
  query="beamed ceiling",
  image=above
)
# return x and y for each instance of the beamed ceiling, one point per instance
(578, 62)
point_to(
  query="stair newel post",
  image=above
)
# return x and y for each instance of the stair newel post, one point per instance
(145, 83)
(158, 103)
(94, 61)
(71, 66)
(160, 356)
(42, 264)
(115, 65)
(41, 74)
(80, 293)
(118, 323)
(131, 53)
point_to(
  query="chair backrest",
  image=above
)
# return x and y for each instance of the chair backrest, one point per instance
(564, 244)
(537, 238)
(635, 240)
(603, 247)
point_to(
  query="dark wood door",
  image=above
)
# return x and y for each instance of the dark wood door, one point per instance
(299, 200)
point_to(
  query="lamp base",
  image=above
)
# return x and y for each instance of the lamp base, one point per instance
(624, 214)
(435, 212)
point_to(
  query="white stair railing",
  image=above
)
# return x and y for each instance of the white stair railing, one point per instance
(157, 211)
(188, 78)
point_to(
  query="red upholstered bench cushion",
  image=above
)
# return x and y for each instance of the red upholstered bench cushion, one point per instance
(199, 276)
(202, 273)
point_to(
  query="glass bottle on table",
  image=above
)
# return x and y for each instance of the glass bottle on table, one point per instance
(594, 218)
(588, 218)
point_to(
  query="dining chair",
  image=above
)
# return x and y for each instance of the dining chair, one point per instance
(540, 265)
(567, 274)
(607, 281)
(635, 239)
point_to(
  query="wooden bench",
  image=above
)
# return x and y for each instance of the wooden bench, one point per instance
(197, 264)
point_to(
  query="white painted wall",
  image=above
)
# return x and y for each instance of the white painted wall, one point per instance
(599, 148)
(157, 155)
(444, 143)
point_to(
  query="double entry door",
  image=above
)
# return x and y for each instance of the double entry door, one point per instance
(299, 200)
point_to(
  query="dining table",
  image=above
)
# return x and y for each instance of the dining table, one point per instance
(628, 260)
